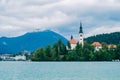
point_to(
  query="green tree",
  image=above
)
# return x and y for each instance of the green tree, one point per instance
(49, 55)
(0, 59)
(87, 52)
(39, 55)
(68, 45)
(55, 51)
(48, 51)
(117, 52)
(91, 56)
(71, 56)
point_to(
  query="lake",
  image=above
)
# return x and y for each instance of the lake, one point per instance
(59, 70)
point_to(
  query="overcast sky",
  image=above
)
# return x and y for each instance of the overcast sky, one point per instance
(63, 16)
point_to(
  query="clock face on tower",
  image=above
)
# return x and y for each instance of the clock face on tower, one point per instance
(80, 35)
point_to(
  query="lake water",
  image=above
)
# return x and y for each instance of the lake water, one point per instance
(59, 70)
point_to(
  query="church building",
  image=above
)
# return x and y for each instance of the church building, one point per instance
(73, 42)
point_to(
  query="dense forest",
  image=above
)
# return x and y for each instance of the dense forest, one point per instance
(112, 38)
(58, 52)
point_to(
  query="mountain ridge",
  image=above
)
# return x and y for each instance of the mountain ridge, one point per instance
(29, 41)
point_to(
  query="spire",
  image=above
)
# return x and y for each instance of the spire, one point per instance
(71, 37)
(80, 31)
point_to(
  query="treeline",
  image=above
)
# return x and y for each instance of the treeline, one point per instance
(112, 38)
(59, 52)
(55, 53)
(0, 59)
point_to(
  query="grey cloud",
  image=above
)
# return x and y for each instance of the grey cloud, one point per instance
(62, 16)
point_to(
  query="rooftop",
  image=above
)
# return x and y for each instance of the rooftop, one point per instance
(96, 44)
(72, 41)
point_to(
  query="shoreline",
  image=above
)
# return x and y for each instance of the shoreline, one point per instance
(59, 61)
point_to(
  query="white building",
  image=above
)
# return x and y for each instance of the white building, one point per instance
(73, 42)
(81, 38)
(19, 57)
(97, 46)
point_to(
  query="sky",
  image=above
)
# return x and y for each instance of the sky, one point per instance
(18, 17)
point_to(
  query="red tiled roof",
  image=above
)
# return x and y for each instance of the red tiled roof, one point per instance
(72, 41)
(96, 44)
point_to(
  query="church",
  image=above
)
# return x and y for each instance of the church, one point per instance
(73, 42)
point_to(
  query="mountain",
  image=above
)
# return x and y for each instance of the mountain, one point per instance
(29, 41)
(111, 38)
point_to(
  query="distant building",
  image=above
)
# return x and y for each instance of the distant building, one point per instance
(19, 57)
(112, 46)
(97, 46)
(9, 57)
(6, 57)
(73, 42)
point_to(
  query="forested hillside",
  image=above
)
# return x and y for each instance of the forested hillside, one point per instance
(111, 38)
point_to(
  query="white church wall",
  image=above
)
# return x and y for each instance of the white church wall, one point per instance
(73, 46)
(97, 48)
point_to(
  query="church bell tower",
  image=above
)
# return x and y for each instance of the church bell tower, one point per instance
(81, 39)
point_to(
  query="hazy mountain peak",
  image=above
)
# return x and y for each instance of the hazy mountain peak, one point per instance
(30, 41)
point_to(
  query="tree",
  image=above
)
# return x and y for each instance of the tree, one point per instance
(63, 50)
(117, 52)
(48, 51)
(91, 56)
(0, 59)
(39, 55)
(71, 56)
(68, 45)
(55, 49)
(49, 55)
(78, 47)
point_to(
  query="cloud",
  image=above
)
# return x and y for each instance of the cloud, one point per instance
(62, 16)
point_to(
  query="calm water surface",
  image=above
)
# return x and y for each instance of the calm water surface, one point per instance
(59, 70)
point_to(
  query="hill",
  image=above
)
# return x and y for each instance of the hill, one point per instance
(29, 41)
(111, 38)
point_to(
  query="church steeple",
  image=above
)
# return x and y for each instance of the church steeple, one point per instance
(81, 39)
(71, 37)
(80, 31)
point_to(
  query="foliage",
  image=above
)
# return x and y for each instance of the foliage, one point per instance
(58, 52)
(68, 45)
(0, 59)
(112, 38)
